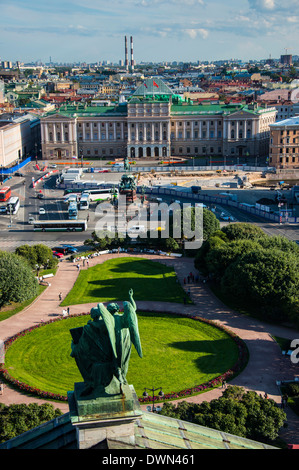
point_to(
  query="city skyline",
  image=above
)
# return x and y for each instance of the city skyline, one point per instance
(176, 30)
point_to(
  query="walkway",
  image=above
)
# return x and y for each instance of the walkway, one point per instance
(266, 363)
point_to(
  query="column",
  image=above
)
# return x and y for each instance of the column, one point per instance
(83, 131)
(62, 132)
(200, 129)
(107, 131)
(114, 131)
(91, 131)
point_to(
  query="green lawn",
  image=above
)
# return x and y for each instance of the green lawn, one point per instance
(111, 281)
(178, 353)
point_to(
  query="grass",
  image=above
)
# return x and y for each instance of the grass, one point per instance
(178, 353)
(12, 309)
(111, 281)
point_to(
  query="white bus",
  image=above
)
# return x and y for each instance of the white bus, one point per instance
(73, 210)
(13, 205)
(84, 201)
(102, 194)
(59, 225)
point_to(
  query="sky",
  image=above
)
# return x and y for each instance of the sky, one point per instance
(163, 30)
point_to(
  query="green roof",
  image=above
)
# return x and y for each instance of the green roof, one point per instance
(152, 431)
(66, 110)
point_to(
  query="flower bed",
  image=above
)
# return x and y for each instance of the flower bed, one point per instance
(228, 375)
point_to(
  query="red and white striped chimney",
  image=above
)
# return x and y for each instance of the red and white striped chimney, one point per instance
(126, 54)
(132, 58)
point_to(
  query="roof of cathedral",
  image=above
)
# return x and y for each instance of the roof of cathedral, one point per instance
(152, 431)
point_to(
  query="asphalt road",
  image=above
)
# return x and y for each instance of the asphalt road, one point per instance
(16, 231)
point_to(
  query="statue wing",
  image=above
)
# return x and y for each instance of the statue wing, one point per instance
(130, 321)
(110, 325)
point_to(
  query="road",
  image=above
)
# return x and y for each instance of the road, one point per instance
(16, 231)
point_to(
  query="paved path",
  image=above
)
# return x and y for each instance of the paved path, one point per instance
(266, 363)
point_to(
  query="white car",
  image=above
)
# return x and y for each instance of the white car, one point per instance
(53, 165)
(41, 211)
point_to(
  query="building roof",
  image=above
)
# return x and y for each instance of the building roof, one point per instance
(152, 431)
(290, 122)
(153, 87)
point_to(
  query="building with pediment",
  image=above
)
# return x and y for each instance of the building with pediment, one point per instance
(156, 123)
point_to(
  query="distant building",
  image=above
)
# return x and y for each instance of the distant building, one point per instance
(18, 136)
(156, 123)
(284, 143)
(286, 59)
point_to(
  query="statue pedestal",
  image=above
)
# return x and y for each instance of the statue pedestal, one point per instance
(98, 417)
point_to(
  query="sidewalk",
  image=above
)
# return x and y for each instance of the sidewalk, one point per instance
(266, 363)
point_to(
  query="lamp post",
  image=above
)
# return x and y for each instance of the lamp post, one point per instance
(161, 395)
(81, 156)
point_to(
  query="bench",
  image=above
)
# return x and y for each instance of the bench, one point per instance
(47, 275)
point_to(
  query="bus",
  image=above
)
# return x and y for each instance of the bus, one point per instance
(13, 205)
(84, 201)
(5, 193)
(59, 225)
(102, 194)
(73, 210)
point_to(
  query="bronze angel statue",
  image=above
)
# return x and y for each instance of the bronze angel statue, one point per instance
(102, 347)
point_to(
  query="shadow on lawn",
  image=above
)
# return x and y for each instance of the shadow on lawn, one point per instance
(219, 355)
(137, 266)
(162, 289)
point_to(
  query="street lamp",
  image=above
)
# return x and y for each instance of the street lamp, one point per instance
(81, 156)
(145, 395)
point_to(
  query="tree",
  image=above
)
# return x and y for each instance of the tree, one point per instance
(267, 279)
(17, 419)
(17, 281)
(236, 412)
(242, 230)
(171, 244)
(38, 254)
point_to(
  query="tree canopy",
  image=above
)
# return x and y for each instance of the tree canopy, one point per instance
(239, 412)
(253, 270)
(17, 281)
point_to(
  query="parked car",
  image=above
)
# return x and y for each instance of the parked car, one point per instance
(60, 249)
(53, 165)
(41, 211)
(40, 196)
(3, 209)
(70, 248)
(18, 173)
(58, 255)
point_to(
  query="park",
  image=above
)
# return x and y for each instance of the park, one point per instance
(173, 343)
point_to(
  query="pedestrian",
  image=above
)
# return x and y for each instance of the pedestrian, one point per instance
(87, 262)
(60, 296)
(184, 280)
(68, 310)
(189, 293)
(83, 263)
(78, 267)
(188, 278)
(266, 395)
(223, 383)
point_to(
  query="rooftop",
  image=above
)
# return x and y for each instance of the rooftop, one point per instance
(152, 431)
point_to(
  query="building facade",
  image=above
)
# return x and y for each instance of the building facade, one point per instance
(156, 123)
(284, 143)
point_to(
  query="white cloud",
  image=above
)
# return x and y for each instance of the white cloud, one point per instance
(194, 32)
